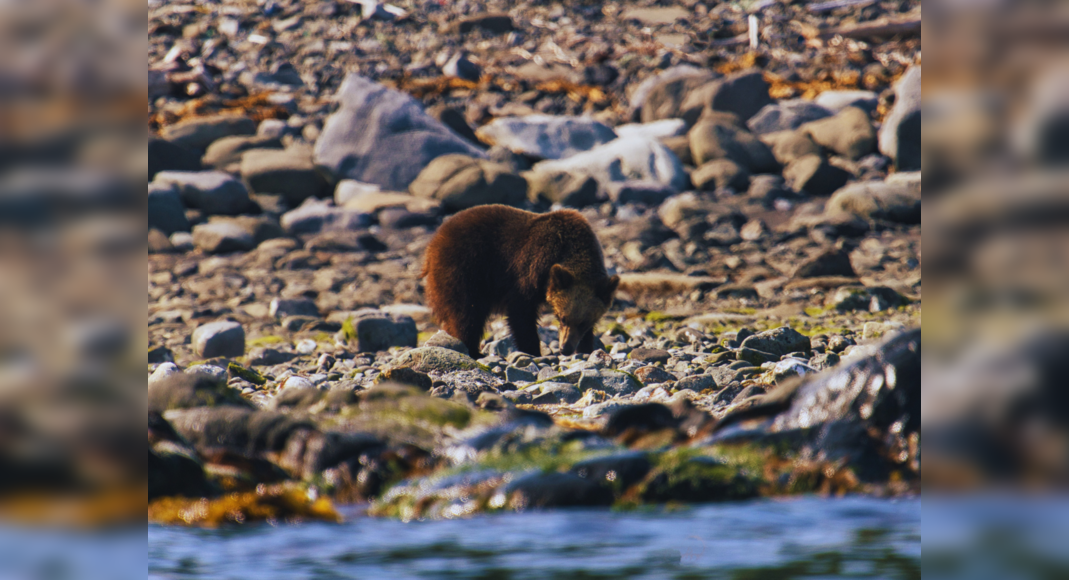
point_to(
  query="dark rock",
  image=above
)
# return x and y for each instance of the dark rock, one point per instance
(285, 172)
(198, 133)
(649, 355)
(650, 375)
(743, 93)
(900, 135)
(212, 192)
(714, 138)
(221, 338)
(831, 262)
(544, 490)
(407, 376)
(697, 383)
(175, 470)
(166, 156)
(778, 341)
(563, 188)
(720, 173)
(635, 419)
(644, 192)
(849, 133)
(492, 23)
(222, 238)
(661, 96)
(268, 357)
(188, 390)
(165, 210)
(877, 200)
(786, 116)
(815, 176)
(382, 136)
(617, 472)
(375, 331)
(283, 307)
(453, 117)
(706, 480)
(755, 356)
(869, 299)
(460, 182)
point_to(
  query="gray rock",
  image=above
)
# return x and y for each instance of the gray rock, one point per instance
(877, 200)
(298, 383)
(649, 355)
(513, 374)
(382, 136)
(660, 96)
(260, 227)
(272, 129)
(221, 338)
(824, 360)
(778, 341)
(214, 371)
(166, 156)
(791, 367)
(743, 93)
(314, 217)
(460, 182)
(790, 145)
(350, 189)
(767, 188)
(717, 138)
(624, 159)
(283, 307)
(182, 241)
(650, 193)
(786, 116)
(601, 409)
(900, 135)
(719, 173)
(283, 77)
(813, 175)
(501, 348)
(222, 238)
(557, 393)
(697, 383)
(376, 330)
(285, 172)
(461, 67)
(849, 133)
(212, 192)
(199, 132)
(610, 381)
(831, 262)
(426, 359)
(562, 187)
(165, 210)
(546, 137)
(445, 340)
(838, 100)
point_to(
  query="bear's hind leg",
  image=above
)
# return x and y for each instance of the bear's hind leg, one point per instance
(523, 322)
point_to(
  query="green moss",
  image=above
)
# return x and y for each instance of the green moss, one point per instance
(247, 374)
(814, 311)
(658, 316)
(266, 340)
(348, 330)
(616, 329)
(421, 338)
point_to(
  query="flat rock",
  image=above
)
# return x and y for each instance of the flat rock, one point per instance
(316, 217)
(544, 136)
(286, 172)
(222, 238)
(778, 341)
(649, 355)
(717, 138)
(837, 100)
(427, 359)
(650, 193)
(222, 338)
(382, 136)
(212, 192)
(225, 154)
(376, 331)
(459, 182)
(654, 129)
(623, 159)
(198, 132)
(610, 381)
(831, 262)
(877, 200)
(786, 116)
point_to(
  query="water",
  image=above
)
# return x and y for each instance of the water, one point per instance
(796, 538)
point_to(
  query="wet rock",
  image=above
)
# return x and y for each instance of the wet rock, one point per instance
(427, 359)
(245, 431)
(876, 200)
(649, 355)
(374, 330)
(166, 156)
(619, 471)
(649, 193)
(443, 339)
(900, 135)
(285, 172)
(778, 341)
(715, 137)
(314, 217)
(460, 182)
(815, 176)
(706, 479)
(562, 187)
(837, 100)
(546, 137)
(382, 136)
(178, 390)
(544, 490)
(719, 173)
(623, 159)
(743, 93)
(786, 116)
(221, 338)
(849, 133)
(165, 210)
(225, 154)
(212, 192)
(788, 146)
(198, 132)
(869, 299)
(175, 470)
(610, 381)
(831, 262)
(222, 238)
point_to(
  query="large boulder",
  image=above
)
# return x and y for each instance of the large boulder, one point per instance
(544, 136)
(849, 133)
(286, 172)
(374, 330)
(659, 97)
(900, 135)
(212, 192)
(221, 338)
(815, 176)
(460, 182)
(382, 136)
(718, 137)
(199, 132)
(623, 159)
(743, 93)
(166, 156)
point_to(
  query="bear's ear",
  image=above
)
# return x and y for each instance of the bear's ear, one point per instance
(560, 278)
(609, 288)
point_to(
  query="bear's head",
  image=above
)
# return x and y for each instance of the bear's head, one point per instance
(577, 303)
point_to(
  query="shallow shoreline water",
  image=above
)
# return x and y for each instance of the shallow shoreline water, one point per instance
(793, 538)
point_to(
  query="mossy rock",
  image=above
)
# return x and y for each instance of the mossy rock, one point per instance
(426, 359)
(189, 390)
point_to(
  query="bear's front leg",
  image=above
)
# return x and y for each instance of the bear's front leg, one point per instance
(586, 344)
(523, 322)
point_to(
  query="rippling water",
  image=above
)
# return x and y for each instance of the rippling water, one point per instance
(797, 538)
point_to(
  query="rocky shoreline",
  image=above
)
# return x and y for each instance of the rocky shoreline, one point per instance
(761, 206)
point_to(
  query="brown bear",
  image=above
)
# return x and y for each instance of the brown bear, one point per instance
(499, 259)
